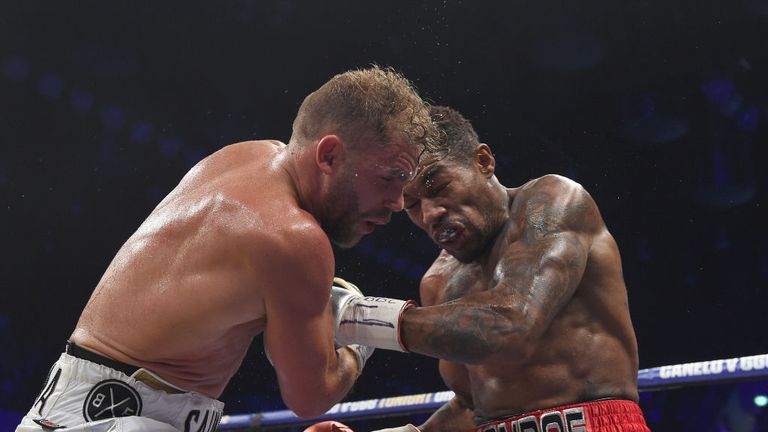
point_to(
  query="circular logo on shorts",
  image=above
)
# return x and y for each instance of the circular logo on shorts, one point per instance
(111, 398)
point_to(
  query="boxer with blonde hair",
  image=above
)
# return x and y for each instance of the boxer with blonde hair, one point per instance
(241, 247)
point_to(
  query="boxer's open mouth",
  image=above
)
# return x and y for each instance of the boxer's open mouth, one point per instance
(447, 233)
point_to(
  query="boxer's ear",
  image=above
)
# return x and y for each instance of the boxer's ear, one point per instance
(327, 153)
(484, 160)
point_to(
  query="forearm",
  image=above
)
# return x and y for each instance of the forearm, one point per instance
(315, 392)
(462, 332)
(469, 331)
(466, 332)
(454, 416)
(348, 370)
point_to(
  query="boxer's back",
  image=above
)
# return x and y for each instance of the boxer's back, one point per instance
(183, 296)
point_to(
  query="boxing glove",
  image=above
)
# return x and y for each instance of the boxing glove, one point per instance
(339, 290)
(369, 321)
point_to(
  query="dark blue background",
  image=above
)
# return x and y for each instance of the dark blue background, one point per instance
(657, 108)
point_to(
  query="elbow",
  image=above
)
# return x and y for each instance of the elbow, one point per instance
(307, 412)
(516, 342)
(510, 347)
(306, 400)
(488, 333)
(307, 407)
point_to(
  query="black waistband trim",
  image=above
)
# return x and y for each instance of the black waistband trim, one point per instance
(482, 420)
(77, 351)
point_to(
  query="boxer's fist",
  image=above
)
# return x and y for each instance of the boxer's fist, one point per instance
(341, 293)
(369, 321)
(328, 426)
(349, 286)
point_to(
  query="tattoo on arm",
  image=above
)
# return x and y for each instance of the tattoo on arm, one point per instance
(534, 278)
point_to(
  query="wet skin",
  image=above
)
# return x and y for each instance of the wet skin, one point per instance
(526, 305)
(236, 250)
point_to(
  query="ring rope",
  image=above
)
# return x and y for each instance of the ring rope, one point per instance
(657, 378)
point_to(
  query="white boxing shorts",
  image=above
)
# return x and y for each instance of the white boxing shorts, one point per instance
(81, 395)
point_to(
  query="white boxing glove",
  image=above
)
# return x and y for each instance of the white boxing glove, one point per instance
(369, 321)
(362, 352)
(407, 428)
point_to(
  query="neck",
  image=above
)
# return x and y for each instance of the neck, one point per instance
(503, 196)
(297, 163)
(498, 218)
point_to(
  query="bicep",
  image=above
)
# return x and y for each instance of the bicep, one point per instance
(545, 265)
(298, 337)
(541, 278)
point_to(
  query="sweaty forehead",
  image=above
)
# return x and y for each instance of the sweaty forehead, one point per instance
(428, 171)
(431, 171)
(399, 160)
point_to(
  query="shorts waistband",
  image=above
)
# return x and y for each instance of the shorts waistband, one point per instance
(140, 374)
(76, 350)
(79, 392)
(586, 416)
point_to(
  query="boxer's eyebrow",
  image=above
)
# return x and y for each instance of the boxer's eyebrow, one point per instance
(399, 174)
(432, 172)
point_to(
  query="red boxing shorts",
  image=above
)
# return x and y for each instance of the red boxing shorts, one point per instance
(599, 416)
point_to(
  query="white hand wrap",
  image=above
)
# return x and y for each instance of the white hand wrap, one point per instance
(406, 428)
(369, 321)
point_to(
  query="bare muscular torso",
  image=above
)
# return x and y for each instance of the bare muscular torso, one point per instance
(181, 297)
(587, 352)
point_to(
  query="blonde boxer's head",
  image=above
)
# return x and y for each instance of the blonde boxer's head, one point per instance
(366, 130)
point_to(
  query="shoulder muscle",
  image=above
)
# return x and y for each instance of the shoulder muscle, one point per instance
(295, 262)
(554, 203)
(434, 280)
